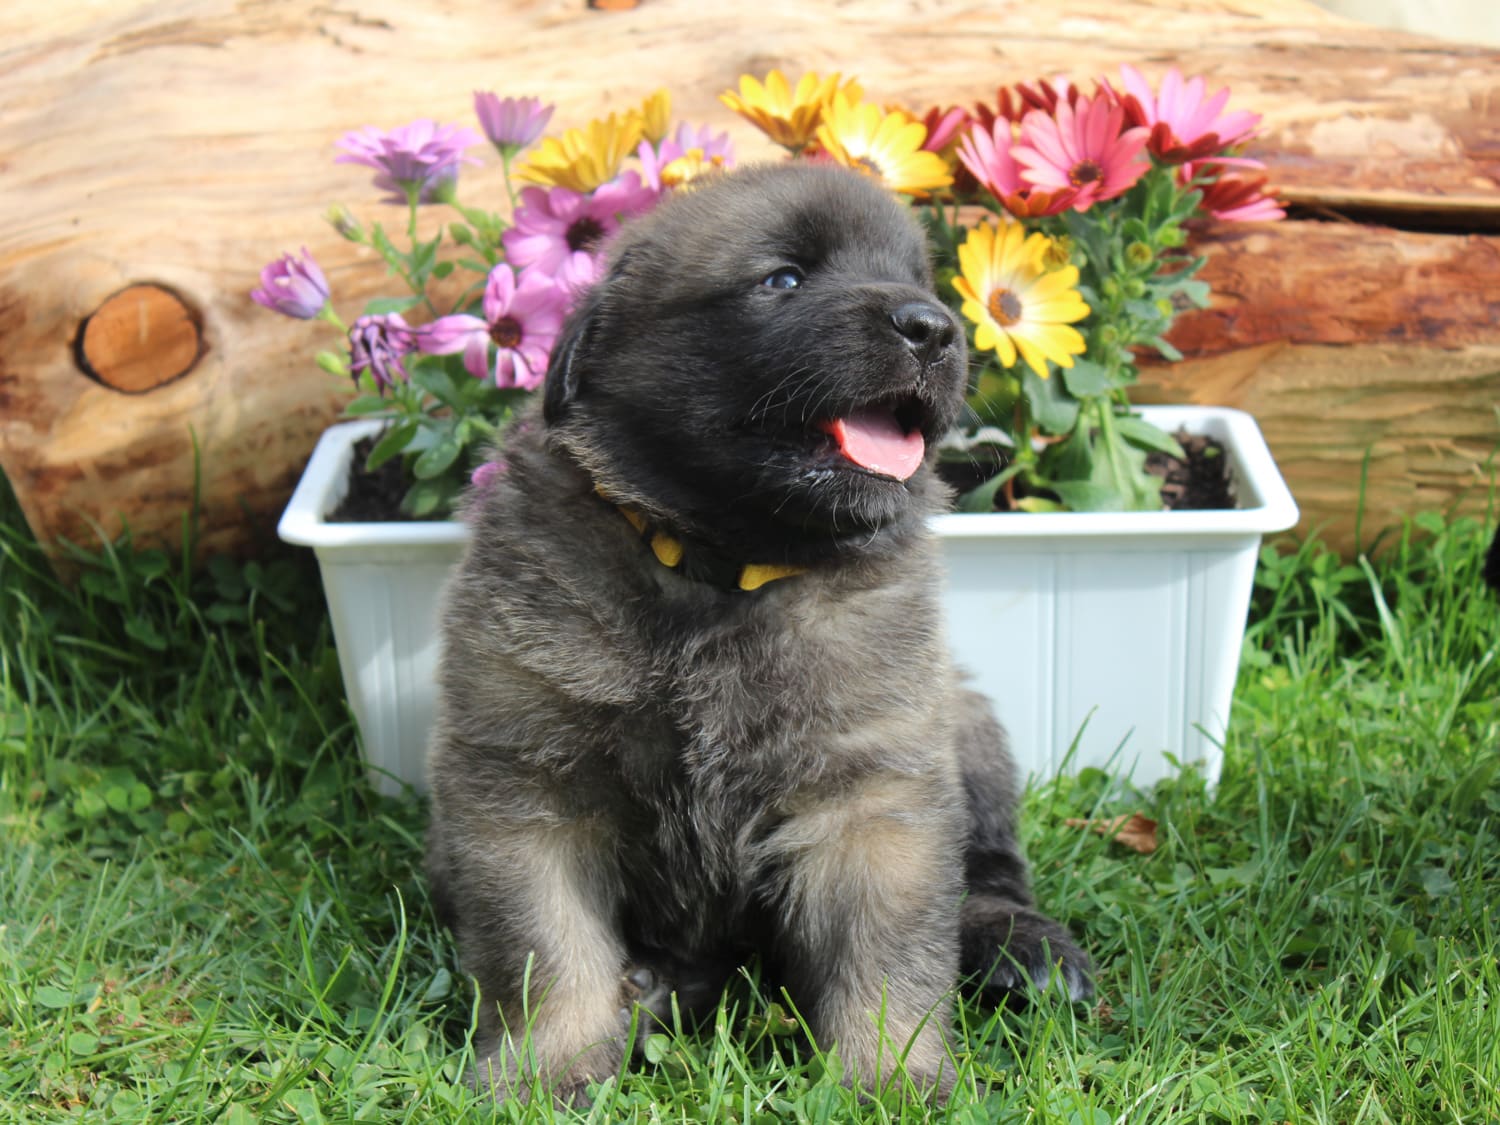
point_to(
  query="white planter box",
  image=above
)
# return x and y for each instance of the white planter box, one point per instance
(1125, 627)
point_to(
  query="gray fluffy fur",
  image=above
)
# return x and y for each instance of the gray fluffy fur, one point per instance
(639, 777)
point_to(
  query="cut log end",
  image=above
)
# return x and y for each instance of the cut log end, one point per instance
(143, 336)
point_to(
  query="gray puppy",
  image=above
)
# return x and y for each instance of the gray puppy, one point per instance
(696, 701)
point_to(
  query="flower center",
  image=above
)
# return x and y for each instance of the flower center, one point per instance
(585, 234)
(506, 332)
(1085, 172)
(868, 167)
(1005, 307)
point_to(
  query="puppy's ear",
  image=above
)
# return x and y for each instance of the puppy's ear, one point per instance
(570, 355)
(565, 367)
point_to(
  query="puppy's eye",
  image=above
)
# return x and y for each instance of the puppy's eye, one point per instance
(788, 277)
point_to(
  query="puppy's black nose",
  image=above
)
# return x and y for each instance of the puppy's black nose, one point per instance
(927, 328)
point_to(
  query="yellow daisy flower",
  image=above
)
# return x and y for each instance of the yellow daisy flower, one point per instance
(1017, 303)
(688, 167)
(886, 145)
(656, 115)
(789, 117)
(582, 159)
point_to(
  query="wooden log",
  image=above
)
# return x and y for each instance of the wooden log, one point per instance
(182, 147)
(1370, 357)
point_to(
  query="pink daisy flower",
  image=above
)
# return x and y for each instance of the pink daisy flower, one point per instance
(420, 159)
(379, 344)
(1082, 146)
(986, 153)
(292, 286)
(511, 124)
(521, 319)
(558, 231)
(1184, 127)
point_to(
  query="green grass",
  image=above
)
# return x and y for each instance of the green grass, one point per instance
(205, 915)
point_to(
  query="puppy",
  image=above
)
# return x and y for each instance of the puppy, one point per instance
(695, 699)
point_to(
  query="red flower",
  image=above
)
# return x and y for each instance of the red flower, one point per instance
(1014, 102)
(1234, 198)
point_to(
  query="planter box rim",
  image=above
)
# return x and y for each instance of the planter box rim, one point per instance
(1268, 507)
(304, 523)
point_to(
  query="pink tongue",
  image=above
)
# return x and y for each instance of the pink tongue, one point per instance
(872, 439)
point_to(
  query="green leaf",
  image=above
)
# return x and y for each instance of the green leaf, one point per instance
(366, 405)
(50, 996)
(392, 442)
(1120, 467)
(424, 254)
(1196, 291)
(982, 497)
(1054, 410)
(430, 499)
(1070, 459)
(442, 270)
(1168, 352)
(143, 631)
(1140, 432)
(436, 381)
(383, 306)
(436, 460)
(1088, 496)
(1086, 378)
(1038, 504)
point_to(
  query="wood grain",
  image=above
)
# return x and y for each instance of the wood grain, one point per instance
(140, 338)
(185, 144)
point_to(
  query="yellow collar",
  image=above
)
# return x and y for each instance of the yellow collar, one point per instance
(668, 552)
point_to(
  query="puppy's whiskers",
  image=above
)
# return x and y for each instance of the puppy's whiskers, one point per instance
(782, 394)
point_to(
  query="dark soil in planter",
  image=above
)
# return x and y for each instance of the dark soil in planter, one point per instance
(1199, 483)
(372, 497)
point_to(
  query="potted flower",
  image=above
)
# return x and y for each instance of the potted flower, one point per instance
(1106, 628)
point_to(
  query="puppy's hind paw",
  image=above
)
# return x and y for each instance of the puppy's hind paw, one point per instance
(1008, 950)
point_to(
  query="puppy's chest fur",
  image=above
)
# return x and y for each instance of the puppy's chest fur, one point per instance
(693, 721)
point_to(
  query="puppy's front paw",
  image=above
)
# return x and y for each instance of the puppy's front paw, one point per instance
(646, 997)
(1008, 949)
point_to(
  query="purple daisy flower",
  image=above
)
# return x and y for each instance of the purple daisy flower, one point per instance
(378, 344)
(422, 157)
(683, 155)
(521, 318)
(511, 124)
(292, 286)
(560, 231)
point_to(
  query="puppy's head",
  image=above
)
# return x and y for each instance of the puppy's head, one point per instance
(764, 364)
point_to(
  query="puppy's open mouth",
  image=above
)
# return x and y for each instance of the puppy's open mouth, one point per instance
(884, 438)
